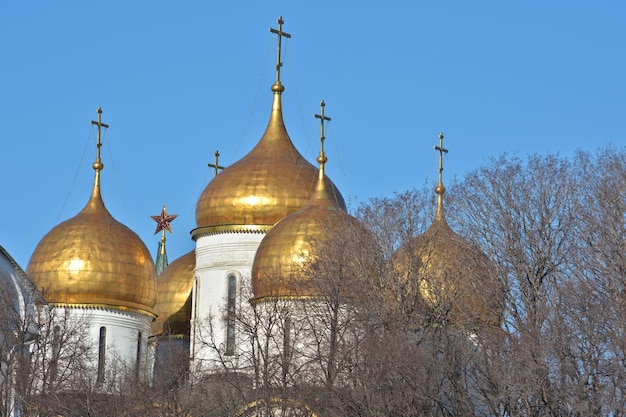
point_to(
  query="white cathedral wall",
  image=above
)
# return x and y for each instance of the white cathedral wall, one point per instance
(219, 256)
(16, 311)
(295, 341)
(126, 339)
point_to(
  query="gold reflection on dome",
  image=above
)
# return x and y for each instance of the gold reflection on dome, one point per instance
(74, 266)
(92, 259)
(271, 181)
(173, 305)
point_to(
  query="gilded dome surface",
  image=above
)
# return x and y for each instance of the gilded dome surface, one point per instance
(94, 259)
(453, 276)
(173, 305)
(294, 243)
(448, 273)
(271, 181)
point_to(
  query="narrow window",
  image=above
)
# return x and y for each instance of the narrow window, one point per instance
(56, 342)
(139, 350)
(287, 337)
(286, 348)
(102, 348)
(230, 320)
(56, 351)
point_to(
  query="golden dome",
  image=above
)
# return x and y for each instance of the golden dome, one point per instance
(454, 277)
(271, 181)
(296, 241)
(92, 259)
(173, 305)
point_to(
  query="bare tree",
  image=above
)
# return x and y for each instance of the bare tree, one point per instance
(374, 325)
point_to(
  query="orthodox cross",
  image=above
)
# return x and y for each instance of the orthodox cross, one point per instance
(441, 150)
(98, 164)
(322, 118)
(280, 34)
(216, 165)
(164, 221)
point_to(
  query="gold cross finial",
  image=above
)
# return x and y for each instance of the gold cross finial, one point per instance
(216, 165)
(322, 118)
(440, 189)
(98, 165)
(280, 34)
(441, 150)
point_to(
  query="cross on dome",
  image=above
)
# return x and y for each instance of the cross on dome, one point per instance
(322, 157)
(280, 34)
(441, 150)
(440, 189)
(98, 165)
(216, 165)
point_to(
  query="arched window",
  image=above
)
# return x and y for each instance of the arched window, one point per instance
(102, 348)
(56, 342)
(230, 318)
(56, 351)
(139, 353)
(286, 348)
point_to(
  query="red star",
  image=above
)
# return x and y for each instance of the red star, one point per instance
(164, 220)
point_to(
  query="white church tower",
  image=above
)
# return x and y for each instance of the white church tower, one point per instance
(233, 214)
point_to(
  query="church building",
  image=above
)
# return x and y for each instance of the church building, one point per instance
(265, 225)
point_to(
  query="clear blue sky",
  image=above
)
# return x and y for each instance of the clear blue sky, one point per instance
(178, 80)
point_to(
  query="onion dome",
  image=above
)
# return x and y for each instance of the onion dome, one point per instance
(281, 261)
(173, 305)
(454, 277)
(92, 259)
(268, 183)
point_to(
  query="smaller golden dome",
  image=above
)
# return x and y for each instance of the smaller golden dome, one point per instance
(271, 181)
(297, 241)
(173, 305)
(449, 274)
(453, 276)
(94, 259)
(277, 270)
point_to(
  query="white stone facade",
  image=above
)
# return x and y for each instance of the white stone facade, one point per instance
(220, 258)
(125, 336)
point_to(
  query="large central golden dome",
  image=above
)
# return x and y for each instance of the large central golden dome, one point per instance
(271, 181)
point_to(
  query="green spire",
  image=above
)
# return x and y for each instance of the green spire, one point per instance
(161, 258)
